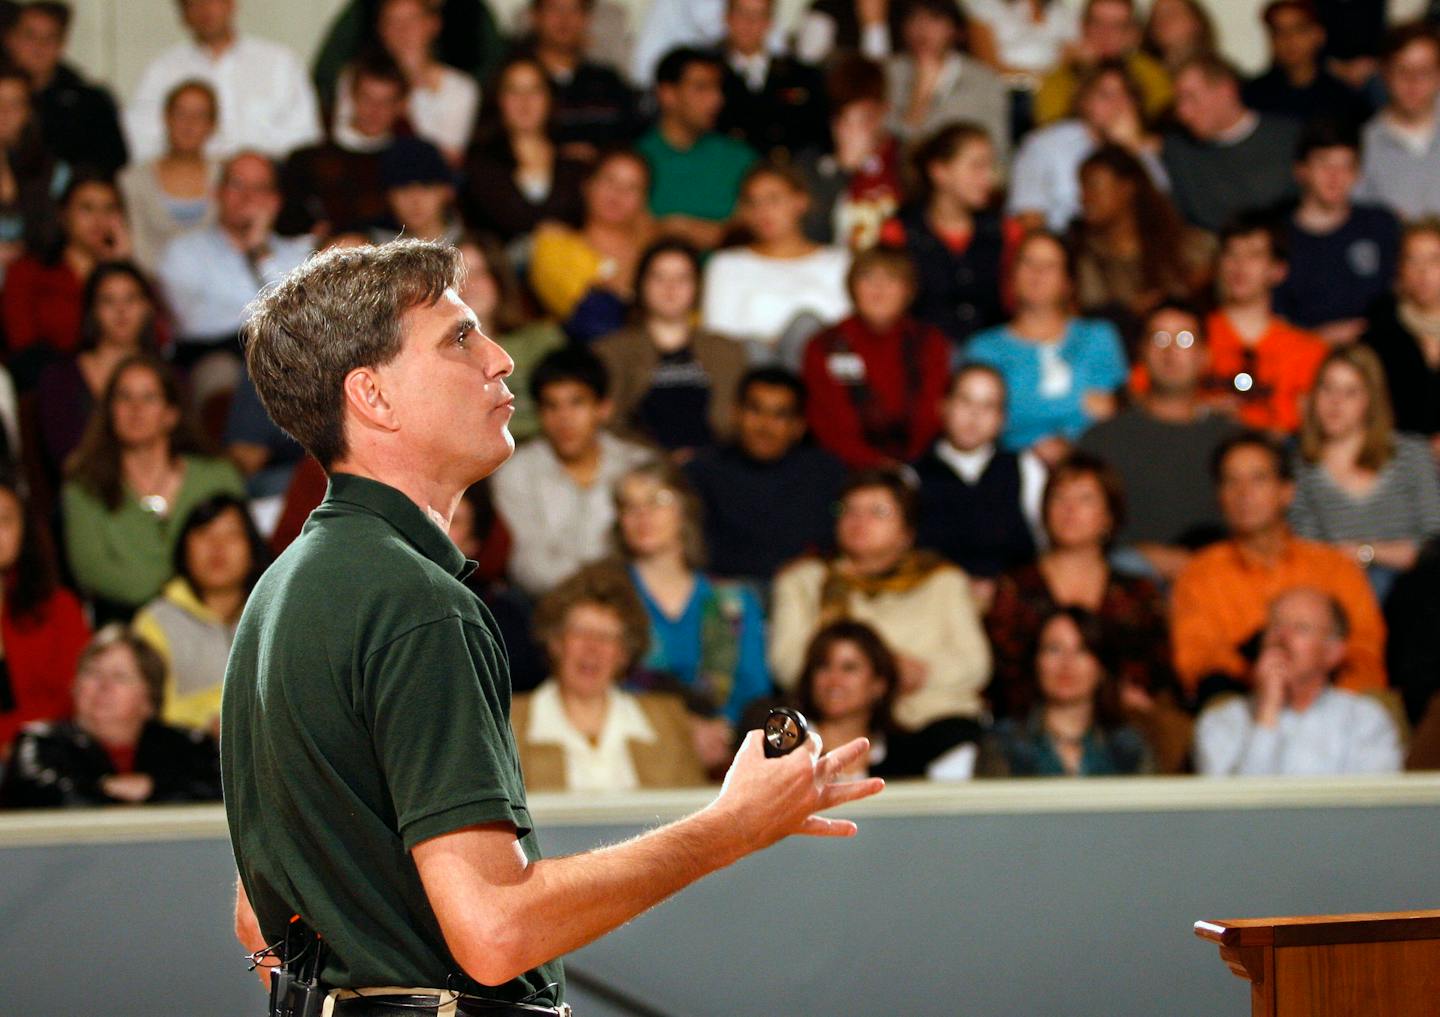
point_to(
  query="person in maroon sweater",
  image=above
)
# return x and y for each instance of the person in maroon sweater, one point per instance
(876, 379)
(43, 300)
(42, 628)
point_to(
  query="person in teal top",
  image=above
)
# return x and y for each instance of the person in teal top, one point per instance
(372, 783)
(1074, 724)
(695, 171)
(136, 475)
(707, 635)
(1061, 371)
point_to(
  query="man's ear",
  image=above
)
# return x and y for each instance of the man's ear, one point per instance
(365, 397)
(604, 409)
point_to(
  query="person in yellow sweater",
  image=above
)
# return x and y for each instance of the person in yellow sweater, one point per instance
(218, 557)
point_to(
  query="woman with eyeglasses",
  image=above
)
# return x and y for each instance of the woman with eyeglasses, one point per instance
(918, 602)
(1359, 485)
(112, 749)
(708, 635)
(1071, 722)
(139, 470)
(579, 730)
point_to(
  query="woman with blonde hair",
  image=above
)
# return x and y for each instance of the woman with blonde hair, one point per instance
(708, 635)
(1359, 484)
(578, 731)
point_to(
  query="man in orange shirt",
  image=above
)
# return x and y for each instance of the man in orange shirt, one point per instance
(1260, 364)
(1221, 597)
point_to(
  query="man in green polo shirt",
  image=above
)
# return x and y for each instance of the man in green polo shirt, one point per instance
(695, 172)
(371, 781)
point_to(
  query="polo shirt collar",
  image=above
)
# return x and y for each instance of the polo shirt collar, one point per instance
(399, 511)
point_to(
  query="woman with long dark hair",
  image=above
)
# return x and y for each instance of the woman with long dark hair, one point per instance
(670, 380)
(30, 174)
(139, 470)
(42, 627)
(1132, 249)
(847, 689)
(1072, 724)
(120, 311)
(517, 177)
(219, 556)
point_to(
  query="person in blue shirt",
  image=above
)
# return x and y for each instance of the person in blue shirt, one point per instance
(1061, 370)
(707, 634)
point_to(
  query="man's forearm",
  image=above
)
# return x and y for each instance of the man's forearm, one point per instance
(558, 905)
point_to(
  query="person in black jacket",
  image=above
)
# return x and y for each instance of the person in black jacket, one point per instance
(79, 120)
(113, 750)
(774, 103)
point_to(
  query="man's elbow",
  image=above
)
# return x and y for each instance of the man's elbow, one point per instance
(494, 955)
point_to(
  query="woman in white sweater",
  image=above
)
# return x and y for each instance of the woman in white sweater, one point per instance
(919, 603)
(781, 288)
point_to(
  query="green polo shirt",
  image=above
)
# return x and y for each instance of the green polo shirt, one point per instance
(702, 181)
(366, 709)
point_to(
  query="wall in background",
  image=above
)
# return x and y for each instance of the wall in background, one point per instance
(116, 38)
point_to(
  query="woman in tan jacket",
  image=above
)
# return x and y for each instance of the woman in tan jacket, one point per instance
(578, 731)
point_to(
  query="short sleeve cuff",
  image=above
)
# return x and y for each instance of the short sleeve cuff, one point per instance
(457, 817)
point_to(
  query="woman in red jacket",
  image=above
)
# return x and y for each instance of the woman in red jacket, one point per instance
(42, 628)
(875, 380)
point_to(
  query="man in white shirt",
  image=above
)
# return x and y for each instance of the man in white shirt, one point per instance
(266, 100)
(556, 493)
(210, 275)
(1296, 721)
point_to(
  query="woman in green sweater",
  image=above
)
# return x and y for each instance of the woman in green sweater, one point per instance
(136, 475)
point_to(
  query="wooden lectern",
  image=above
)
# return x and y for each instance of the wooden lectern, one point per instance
(1379, 965)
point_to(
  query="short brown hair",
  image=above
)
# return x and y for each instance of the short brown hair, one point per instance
(147, 659)
(1078, 465)
(893, 480)
(1402, 37)
(605, 585)
(872, 647)
(1211, 66)
(692, 511)
(894, 260)
(339, 311)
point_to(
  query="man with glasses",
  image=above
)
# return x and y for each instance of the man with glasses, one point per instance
(1401, 169)
(768, 494)
(1170, 511)
(210, 275)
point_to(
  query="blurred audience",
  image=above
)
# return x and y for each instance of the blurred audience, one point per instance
(113, 749)
(218, 558)
(1177, 30)
(419, 189)
(767, 496)
(932, 83)
(1405, 334)
(773, 102)
(1298, 84)
(1072, 723)
(1401, 164)
(517, 175)
(31, 177)
(1220, 598)
(1341, 255)
(829, 28)
(175, 191)
(919, 603)
(556, 492)
(1228, 158)
(1295, 721)
(777, 291)
(1061, 371)
(706, 634)
(137, 473)
(695, 170)
(847, 689)
(1359, 486)
(42, 624)
(875, 380)
(594, 107)
(579, 730)
(977, 501)
(439, 101)
(1170, 512)
(267, 102)
(672, 384)
(1109, 30)
(585, 278)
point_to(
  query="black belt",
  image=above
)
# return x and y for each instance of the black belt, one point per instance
(418, 1005)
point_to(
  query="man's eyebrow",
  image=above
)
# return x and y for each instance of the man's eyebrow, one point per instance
(459, 327)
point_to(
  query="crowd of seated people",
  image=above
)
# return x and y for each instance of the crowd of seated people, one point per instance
(1014, 382)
